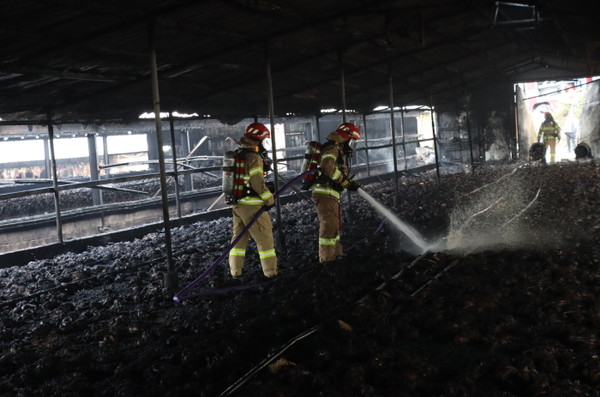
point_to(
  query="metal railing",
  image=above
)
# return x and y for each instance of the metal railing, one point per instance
(370, 164)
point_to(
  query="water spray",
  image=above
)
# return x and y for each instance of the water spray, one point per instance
(489, 226)
(405, 228)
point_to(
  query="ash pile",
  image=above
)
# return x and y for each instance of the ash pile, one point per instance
(507, 306)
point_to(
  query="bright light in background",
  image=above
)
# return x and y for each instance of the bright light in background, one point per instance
(380, 108)
(126, 144)
(33, 150)
(327, 111)
(70, 147)
(332, 111)
(164, 115)
(13, 151)
(417, 107)
(279, 133)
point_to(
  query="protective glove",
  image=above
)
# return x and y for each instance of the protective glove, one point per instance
(351, 185)
(268, 207)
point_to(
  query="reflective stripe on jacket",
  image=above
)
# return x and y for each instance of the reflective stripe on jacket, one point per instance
(255, 180)
(332, 167)
(549, 130)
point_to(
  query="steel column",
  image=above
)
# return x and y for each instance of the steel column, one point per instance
(435, 144)
(271, 105)
(393, 126)
(366, 145)
(174, 158)
(515, 105)
(185, 148)
(343, 94)
(47, 161)
(94, 173)
(468, 121)
(318, 126)
(59, 231)
(171, 279)
(403, 137)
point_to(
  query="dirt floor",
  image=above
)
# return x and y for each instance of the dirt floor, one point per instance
(508, 304)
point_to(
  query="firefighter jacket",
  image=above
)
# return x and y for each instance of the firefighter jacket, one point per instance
(332, 166)
(548, 131)
(254, 179)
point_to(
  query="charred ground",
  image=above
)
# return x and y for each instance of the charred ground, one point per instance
(503, 317)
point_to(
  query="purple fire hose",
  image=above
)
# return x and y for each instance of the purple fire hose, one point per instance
(180, 296)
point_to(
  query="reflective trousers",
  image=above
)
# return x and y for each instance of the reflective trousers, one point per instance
(551, 143)
(261, 232)
(328, 212)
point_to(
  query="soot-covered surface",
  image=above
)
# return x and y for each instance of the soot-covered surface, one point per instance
(512, 309)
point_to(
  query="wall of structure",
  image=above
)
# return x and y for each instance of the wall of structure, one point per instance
(590, 118)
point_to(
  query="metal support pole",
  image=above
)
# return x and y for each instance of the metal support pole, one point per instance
(343, 94)
(468, 121)
(94, 173)
(393, 126)
(185, 148)
(97, 197)
(105, 155)
(366, 145)
(174, 158)
(318, 124)
(271, 105)
(171, 279)
(515, 105)
(59, 232)
(153, 151)
(481, 145)
(403, 137)
(435, 144)
(47, 161)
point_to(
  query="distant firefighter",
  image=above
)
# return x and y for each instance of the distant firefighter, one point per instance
(549, 134)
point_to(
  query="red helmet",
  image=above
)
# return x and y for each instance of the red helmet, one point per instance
(348, 130)
(257, 131)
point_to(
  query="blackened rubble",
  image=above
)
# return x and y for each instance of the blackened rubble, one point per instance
(507, 320)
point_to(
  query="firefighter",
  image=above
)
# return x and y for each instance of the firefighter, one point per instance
(329, 184)
(549, 134)
(257, 195)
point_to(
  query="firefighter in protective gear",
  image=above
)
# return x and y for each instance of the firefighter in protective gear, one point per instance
(549, 134)
(246, 207)
(328, 187)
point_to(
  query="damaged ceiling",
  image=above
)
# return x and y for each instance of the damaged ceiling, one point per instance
(81, 60)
